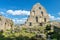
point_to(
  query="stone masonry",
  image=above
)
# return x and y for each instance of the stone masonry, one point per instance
(5, 24)
(38, 16)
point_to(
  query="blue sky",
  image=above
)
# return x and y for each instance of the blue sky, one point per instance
(18, 10)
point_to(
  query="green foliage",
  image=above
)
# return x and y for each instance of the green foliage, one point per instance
(56, 35)
(48, 27)
(21, 35)
(29, 33)
(0, 19)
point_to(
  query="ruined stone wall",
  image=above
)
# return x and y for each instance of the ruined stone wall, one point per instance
(38, 16)
(5, 23)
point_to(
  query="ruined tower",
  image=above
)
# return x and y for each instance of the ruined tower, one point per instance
(38, 16)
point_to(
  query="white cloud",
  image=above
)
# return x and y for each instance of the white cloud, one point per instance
(58, 18)
(18, 12)
(24, 12)
(19, 21)
(58, 13)
(1, 13)
(53, 17)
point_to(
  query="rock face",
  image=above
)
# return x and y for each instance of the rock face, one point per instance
(5, 23)
(38, 16)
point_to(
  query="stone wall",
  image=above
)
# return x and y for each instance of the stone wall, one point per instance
(5, 23)
(38, 16)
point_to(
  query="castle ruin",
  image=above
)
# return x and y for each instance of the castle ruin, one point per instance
(38, 16)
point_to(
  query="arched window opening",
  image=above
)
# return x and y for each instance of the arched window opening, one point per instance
(39, 7)
(34, 11)
(44, 19)
(40, 24)
(42, 13)
(30, 24)
(36, 19)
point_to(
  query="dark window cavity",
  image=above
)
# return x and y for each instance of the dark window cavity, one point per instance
(36, 19)
(39, 7)
(30, 24)
(42, 13)
(44, 19)
(33, 11)
(41, 24)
